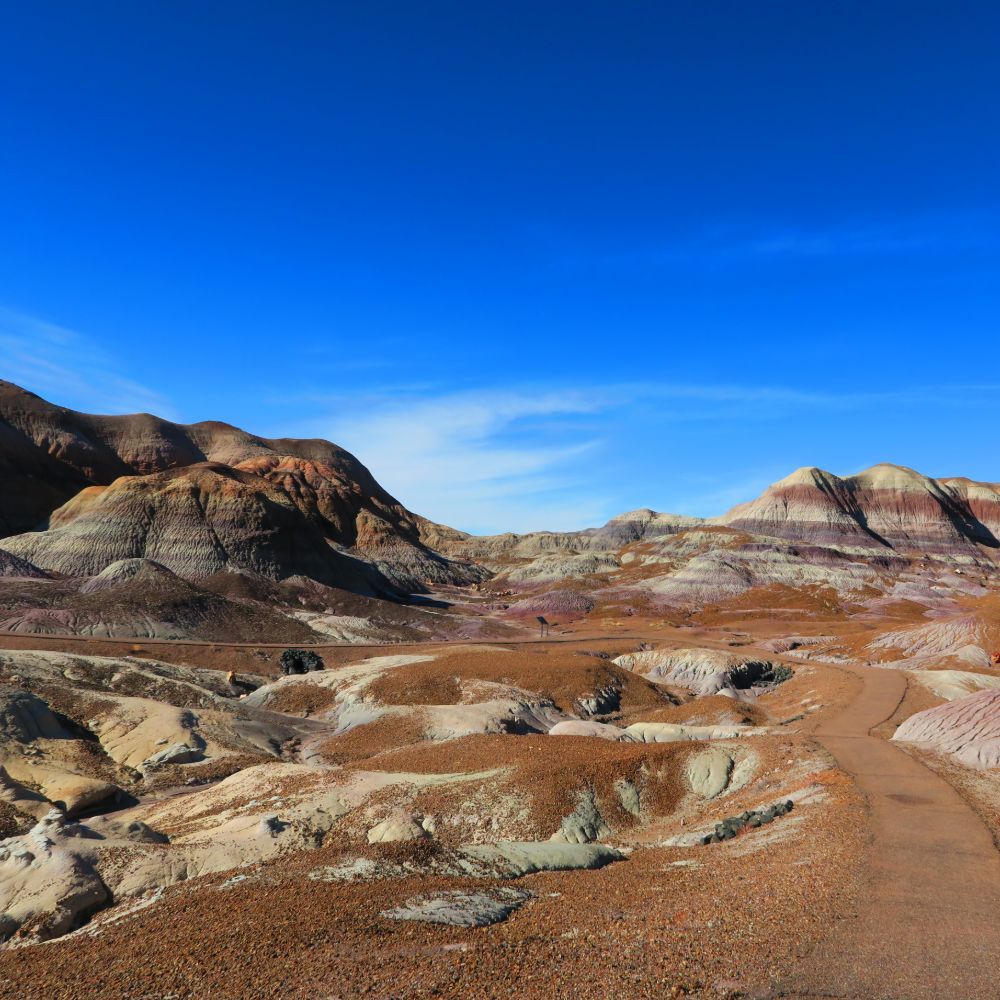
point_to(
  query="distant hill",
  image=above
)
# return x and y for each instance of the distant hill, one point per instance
(79, 492)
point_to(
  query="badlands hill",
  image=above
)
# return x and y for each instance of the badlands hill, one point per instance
(887, 506)
(888, 533)
(256, 526)
(200, 498)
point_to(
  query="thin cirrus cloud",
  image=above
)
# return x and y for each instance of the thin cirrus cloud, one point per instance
(741, 246)
(924, 235)
(519, 459)
(857, 240)
(524, 459)
(483, 460)
(843, 243)
(69, 367)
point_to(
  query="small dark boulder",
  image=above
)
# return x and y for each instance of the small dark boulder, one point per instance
(751, 819)
(300, 661)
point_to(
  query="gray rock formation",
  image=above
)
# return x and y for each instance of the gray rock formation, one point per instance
(461, 909)
(968, 727)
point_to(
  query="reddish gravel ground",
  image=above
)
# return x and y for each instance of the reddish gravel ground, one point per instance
(641, 927)
(804, 907)
(561, 673)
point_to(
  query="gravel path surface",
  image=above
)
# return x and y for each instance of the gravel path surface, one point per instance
(927, 926)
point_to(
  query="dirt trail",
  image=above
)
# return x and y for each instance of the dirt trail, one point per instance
(38, 641)
(927, 927)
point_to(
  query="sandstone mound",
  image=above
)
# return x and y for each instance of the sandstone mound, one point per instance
(968, 727)
(49, 755)
(461, 909)
(44, 884)
(966, 639)
(25, 717)
(13, 566)
(144, 572)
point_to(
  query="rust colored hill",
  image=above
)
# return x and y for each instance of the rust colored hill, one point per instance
(201, 497)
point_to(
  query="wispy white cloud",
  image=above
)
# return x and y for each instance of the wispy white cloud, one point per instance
(517, 459)
(716, 497)
(522, 458)
(69, 368)
(736, 245)
(771, 401)
(480, 460)
(846, 241)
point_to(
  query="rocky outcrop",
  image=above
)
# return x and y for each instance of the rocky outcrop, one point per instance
(399, 826)
(24, 717)
(461, 909)
(44, 882)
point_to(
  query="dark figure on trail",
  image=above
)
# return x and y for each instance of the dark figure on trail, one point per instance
(243, 688)
(300, 661)
(543, 627)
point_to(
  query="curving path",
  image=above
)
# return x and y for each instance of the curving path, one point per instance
(526, 639)
(929, 924)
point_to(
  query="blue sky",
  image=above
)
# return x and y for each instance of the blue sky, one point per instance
(534, 263)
